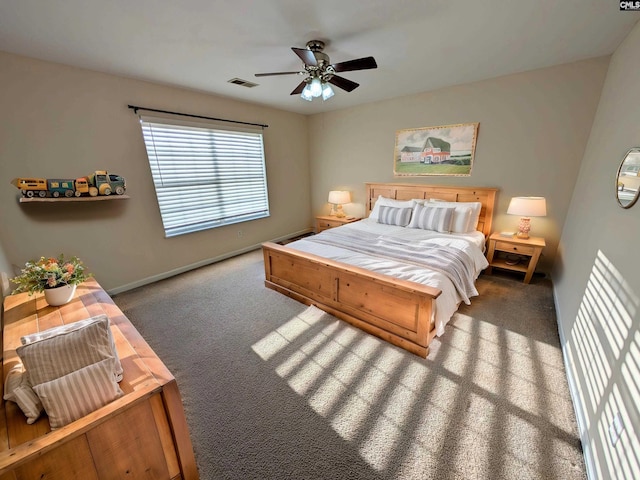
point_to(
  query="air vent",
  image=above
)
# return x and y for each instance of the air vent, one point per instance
(243, 83)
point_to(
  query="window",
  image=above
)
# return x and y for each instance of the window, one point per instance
(205, 175)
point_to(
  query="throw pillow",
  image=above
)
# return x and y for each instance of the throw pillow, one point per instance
(54, 357)
(476, 208)
(17, 389)
(433, 218)
(394, 216)
(388, 202)
(71, 327)
(79, 393)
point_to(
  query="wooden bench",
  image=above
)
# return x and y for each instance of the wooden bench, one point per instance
(143, 434)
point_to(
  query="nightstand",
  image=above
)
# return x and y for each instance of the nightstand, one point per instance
(325, 222)
(528, 250)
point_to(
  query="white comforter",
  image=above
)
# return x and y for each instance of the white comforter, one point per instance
(471, 244)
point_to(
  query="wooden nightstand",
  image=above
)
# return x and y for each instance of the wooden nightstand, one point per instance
(529, 250)
(325, 222)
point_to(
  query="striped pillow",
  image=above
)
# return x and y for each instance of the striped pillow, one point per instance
(79, 393)
(394, 216)
(427, 217)
(388, 202)
(71, 327)
(53, 357)
(476, 209)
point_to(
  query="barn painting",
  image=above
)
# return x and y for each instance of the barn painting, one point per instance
(444, 150)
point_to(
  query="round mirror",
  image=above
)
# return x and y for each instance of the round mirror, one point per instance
(628, 179)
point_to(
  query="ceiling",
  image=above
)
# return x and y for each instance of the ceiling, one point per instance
(419, 45)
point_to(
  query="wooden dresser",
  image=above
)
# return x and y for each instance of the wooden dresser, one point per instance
(143, 434)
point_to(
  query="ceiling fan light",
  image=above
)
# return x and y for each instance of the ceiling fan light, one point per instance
(306, 93)
(327, 91)
(315, 87)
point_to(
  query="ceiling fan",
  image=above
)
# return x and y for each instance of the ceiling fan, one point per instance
(320, 72)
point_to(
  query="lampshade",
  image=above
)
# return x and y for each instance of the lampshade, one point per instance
(327, 91)
(306, 93)
(528, 206)
(316, 87)
(337, 198)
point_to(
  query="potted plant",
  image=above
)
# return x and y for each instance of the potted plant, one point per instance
(56, 277)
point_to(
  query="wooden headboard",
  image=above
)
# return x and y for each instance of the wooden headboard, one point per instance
(400, 191)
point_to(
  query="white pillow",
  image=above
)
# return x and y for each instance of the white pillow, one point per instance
(475, 207)
(13, 380)
(389, 202)
(17, 389)
(461, 220)
(432, 217)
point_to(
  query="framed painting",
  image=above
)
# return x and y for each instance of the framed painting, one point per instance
(445, 150)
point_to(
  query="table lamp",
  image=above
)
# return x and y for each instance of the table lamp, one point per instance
(527, 207)
(337, 198)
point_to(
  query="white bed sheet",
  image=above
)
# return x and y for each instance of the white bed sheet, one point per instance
(447, 303)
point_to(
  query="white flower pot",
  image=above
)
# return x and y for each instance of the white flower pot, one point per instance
(59, 295)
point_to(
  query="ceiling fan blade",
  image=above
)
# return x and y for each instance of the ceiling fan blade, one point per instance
(343, 83)
(358, 64)
(278, 73)
(299, 88)
(306, 56)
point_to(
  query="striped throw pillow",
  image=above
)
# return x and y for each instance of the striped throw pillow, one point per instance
(53, 357)
(79, 393)
(427, 217)
(75, 326)
(476, 209)
(394, 216)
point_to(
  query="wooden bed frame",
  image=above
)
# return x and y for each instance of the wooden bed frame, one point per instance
(397, 311)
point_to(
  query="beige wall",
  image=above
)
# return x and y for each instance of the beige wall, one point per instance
(533, 128)
(597, 279)
(6, 272)
(58, 121)
(532, 135)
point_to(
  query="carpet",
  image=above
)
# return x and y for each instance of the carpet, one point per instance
(274, 389)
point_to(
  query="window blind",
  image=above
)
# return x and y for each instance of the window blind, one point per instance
(205, 176)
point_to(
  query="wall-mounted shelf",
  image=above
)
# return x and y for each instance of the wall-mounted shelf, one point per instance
(73, 199)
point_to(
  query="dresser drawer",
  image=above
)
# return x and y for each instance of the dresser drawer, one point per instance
(510, 247)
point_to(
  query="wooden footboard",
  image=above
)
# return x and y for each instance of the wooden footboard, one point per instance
(397, 311)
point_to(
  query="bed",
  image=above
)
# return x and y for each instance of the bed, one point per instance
(372, 274)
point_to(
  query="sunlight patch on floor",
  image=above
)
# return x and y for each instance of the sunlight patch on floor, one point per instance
(396, 408)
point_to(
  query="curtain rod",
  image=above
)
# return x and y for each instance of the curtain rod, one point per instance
(136, 108)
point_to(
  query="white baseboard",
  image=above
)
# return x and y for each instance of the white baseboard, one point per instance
(578, 407)
(208, 261)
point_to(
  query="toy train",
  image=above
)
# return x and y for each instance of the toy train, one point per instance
(98, 183)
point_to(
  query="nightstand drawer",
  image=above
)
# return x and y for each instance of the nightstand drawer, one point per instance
(325, 222)
(510, 247)
(322, 224)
